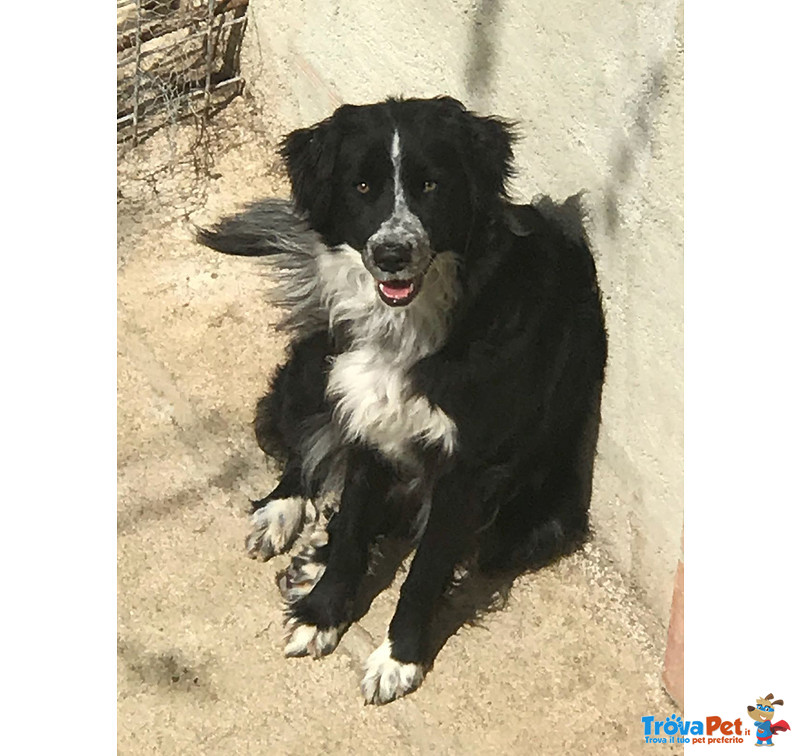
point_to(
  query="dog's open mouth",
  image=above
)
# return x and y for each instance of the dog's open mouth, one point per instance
(399, 293)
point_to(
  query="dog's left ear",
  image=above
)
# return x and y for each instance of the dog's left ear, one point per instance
(309, 155)
(489, 141)
(492, 142)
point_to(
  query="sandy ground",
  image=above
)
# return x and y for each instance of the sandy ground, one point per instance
(564, 667)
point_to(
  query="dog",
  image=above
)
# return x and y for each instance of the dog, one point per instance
(763, 713)
(444, 375)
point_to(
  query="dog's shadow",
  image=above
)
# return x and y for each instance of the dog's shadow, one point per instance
(470, 596)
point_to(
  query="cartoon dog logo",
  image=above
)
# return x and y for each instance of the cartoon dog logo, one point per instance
(762, 713)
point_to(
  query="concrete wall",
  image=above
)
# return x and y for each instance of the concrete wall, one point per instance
(597, 89)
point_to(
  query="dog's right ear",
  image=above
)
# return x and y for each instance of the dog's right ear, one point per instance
(309, 155)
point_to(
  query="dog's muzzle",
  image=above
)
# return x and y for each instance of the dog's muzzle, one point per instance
(398, 264)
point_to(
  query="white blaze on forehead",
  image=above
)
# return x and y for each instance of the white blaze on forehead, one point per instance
(402, 224)
(399, 195)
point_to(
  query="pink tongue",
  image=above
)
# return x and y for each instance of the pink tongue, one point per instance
(397, 289)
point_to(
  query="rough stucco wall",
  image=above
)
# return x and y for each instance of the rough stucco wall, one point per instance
(597, 90)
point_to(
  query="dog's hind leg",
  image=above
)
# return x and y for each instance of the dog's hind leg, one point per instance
(278, 518)
(549, 516)
(296, 396)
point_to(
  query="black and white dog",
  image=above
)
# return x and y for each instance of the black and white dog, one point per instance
(445, 374)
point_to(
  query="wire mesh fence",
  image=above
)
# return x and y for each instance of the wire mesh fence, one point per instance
(177, 67)
(175, 59)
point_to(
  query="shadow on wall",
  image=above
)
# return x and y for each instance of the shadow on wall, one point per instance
(628, 148)
(479, 73)
(481, 51)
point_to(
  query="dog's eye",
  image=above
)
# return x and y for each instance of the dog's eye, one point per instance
(362, 187)
(429, 186)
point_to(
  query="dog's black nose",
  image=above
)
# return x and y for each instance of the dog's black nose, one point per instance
(392, 257)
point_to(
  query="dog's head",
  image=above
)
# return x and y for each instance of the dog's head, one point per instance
(764, 710)
(399, 181)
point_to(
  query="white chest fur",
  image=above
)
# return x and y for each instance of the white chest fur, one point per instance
(374, 404)
(369, 384)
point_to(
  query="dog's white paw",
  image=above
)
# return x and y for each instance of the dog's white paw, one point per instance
(307, 640)
(275, 526)
(386, 679)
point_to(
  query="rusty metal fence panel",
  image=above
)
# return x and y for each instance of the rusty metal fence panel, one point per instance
(175, 59)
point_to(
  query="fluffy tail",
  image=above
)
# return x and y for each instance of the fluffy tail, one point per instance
(269, 227)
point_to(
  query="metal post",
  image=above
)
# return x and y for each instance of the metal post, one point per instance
(209, 59)
(137, 72)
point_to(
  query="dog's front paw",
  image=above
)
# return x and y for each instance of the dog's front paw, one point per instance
(308, 640)
(386, 679)
(275, 526)
(306, 630)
